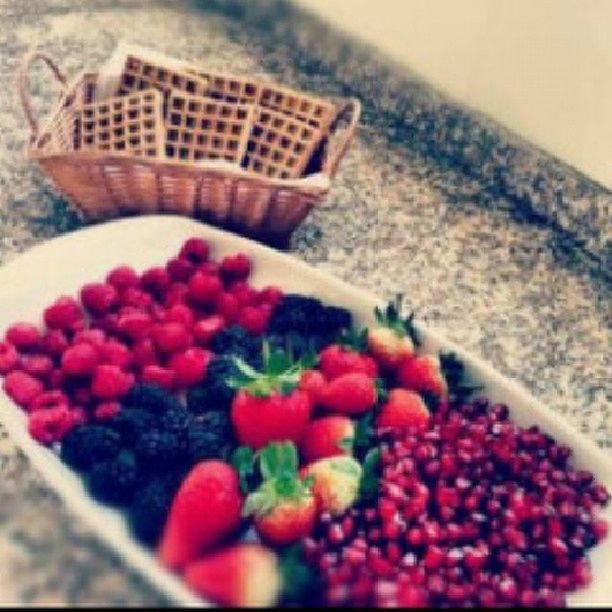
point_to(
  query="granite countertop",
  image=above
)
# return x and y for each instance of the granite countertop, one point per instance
(503, 248)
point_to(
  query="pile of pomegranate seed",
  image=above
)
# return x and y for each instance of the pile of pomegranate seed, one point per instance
(154, 327)
(474, 512)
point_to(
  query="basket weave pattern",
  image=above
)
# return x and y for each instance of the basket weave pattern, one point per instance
(179, 150)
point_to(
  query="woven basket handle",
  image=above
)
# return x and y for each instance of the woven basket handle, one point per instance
(338, 145)
(22, 84)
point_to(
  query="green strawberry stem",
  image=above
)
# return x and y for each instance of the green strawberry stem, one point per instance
(391, 318)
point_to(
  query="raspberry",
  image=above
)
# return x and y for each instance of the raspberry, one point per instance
(122, 277)
(56, 379)
(49, 399)
(228, 307)
(151, 397)
(95, 337)
(210, 267)
(107, 410)
(176, 294)
(113, 352)
(51, 425)
(155, 280)
(22, 388)
(204, 289)
(39, 366)
(132, 296)
(271, 295)
(158, 375)
(190, 367)
(144, 354)
(65, 314)
(134, 325)
(180, 313)
(9, 358)
(236, 267)
(254, 320)
(79, 416)
(206, 329)
(23, 335)
(244, 293)
(88, 444)
(114, 481)
(171, 337)
(54, 342)
(99, 298)
(179, 270)
(194, 250)
(110, 382)
(80, 360)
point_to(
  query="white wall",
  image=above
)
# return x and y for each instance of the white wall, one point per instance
(541, 67)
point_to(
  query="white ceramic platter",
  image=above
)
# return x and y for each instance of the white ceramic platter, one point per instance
(62, 265)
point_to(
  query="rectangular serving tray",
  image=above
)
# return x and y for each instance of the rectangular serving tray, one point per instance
(62, 265)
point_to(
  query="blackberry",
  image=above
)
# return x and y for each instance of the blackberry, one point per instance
(148, 513)
(177, 422)
(157, 449)
(214, 393)
(88, 444)
(336, 319)
(235, 341)
(210, 438)
(130, 423)
(114, 481)
(151, 398)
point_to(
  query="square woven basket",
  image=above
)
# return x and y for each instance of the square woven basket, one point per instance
(245, 154)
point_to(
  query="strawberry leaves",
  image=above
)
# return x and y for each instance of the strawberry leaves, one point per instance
(391, 317)
(368, 487)
(354, 339)
(243, 461)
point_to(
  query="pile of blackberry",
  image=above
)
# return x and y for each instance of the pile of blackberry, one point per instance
(138, 459)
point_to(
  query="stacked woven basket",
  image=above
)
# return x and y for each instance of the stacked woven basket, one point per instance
(167, 136)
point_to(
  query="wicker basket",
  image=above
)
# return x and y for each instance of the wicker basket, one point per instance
(107, 184)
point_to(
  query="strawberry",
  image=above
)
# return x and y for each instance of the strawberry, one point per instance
(205, 510)
(312, 382)
(336, 360)
(336, 483)
(404, 409)
(350, 394)
(283, 506)
(269, 407)
(392, 340)
(243, 576)
(423, 374)
(327, 437)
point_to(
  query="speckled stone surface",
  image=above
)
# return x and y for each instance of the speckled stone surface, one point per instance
(503, 248)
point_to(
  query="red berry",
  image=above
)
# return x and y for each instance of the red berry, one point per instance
(180, 313)
(49, 426)
(135, 325)
(244, 293)
(54, 343)
(204, 289)
(228, 307)
(271, 295)
(176, 294)
(133, 296)
(107, 410)
(155, 280)
(56, 379)
(99, 298)
(113, 352)
(79, 416)
(95, 337)
(206, 329)
(9, 358)
(23, 335)
(49, 399)
(39, 366)
(171, 337)
(254, 320)
(144, 353)
(195, 250)
(122, 277)
(163, 377)
(179, 269)
(190, 367)
(236, 267)
(65, 313)
(80, 360)
(22, 388)
(110, 382)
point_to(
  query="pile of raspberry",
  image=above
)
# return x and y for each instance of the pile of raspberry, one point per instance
(474, 512)
(156, 327)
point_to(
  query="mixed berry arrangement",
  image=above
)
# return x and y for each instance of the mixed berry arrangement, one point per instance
(271, 453)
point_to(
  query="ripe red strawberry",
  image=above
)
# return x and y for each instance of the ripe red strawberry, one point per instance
(313, 383)
(336, 360)
(327, 437)
(423, 374)
(269, 407)
(391, 341)
(284, 508)
(404, 409)
(243, 576)
(350, 394)
(205, 511)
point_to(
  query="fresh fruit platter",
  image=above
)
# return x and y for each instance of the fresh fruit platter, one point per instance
(248, 431)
